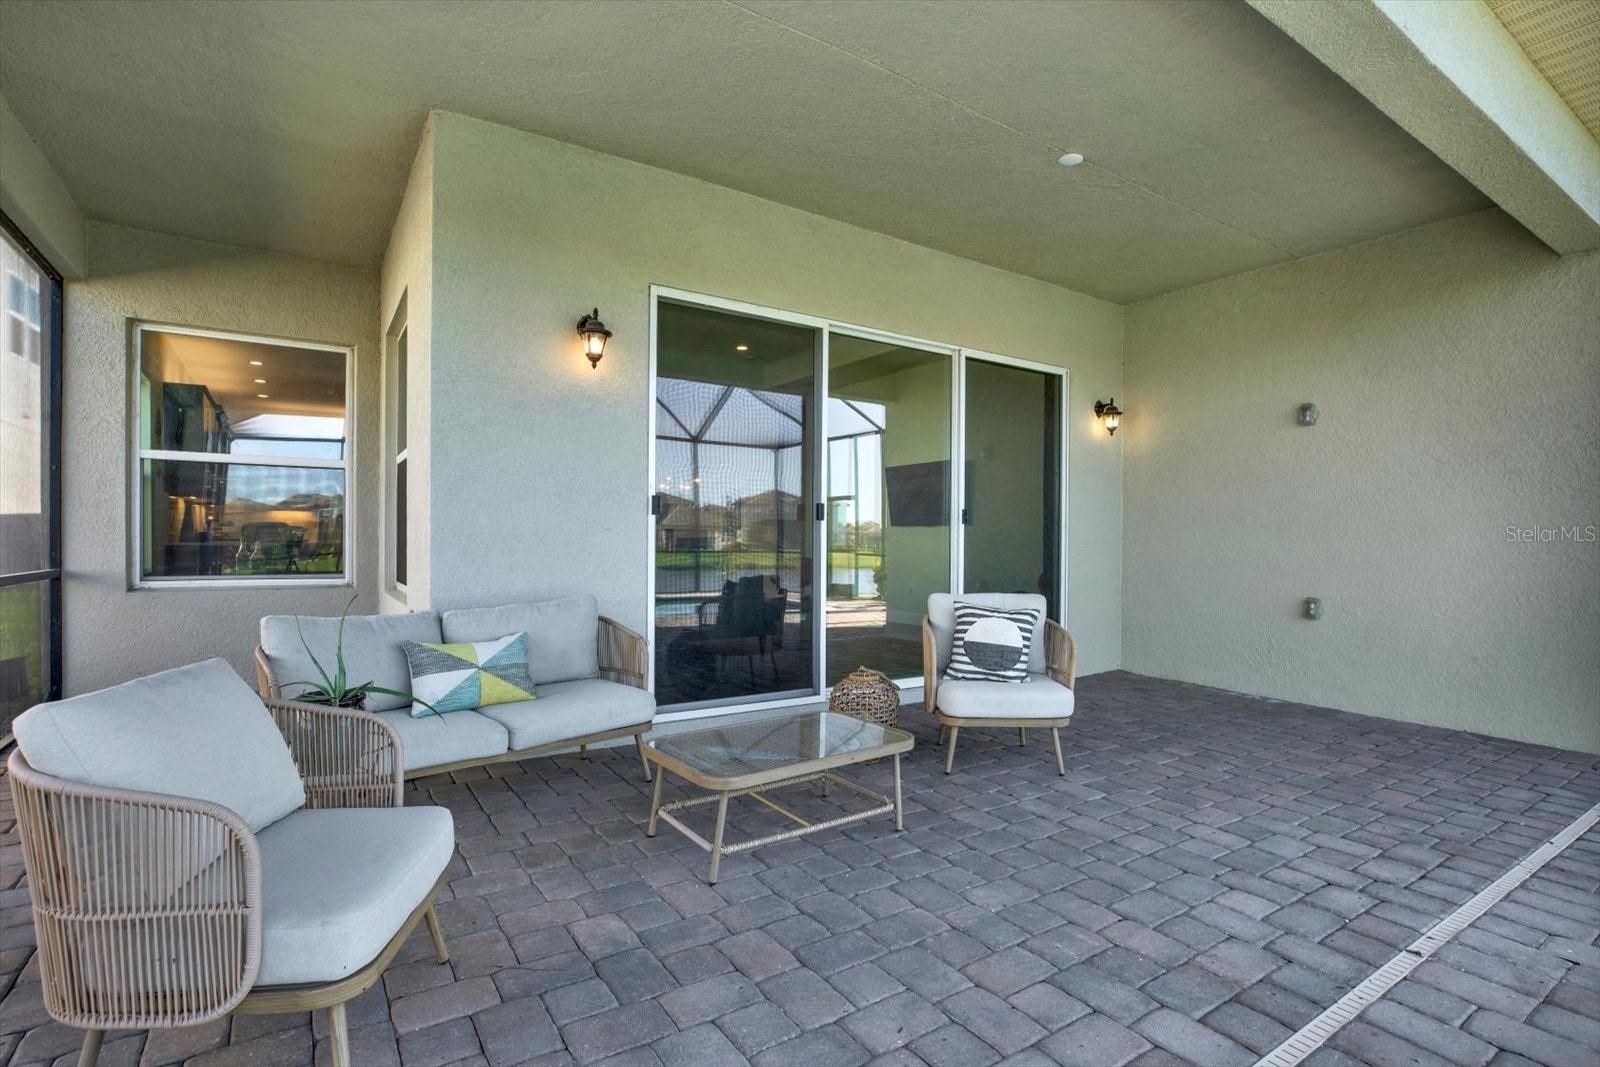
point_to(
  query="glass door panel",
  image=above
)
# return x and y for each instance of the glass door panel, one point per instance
(734, 524)
(888, 525)
(1012, 507)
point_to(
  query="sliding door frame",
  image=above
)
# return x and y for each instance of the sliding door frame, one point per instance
(825, 328)
(1063, 425)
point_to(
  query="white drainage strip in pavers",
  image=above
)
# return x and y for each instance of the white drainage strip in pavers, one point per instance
(1315, 1033)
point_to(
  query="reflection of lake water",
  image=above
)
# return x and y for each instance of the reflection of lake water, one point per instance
(681, 581)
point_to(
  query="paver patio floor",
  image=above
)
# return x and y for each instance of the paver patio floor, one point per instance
(1213, 871)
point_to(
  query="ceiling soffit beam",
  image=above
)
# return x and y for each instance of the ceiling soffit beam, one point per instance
(1452, 76)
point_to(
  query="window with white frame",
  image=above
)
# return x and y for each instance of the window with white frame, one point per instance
(397, 404)
(242, 458)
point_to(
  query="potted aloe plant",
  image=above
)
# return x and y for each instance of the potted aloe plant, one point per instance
(335, 689)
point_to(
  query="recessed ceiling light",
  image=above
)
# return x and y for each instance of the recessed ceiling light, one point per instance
(255, 363)
(1071, 159)
(741, 348)
(261, 381)
(262, 396)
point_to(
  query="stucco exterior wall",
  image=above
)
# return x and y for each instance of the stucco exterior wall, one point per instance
(110, 633)
(540, 481)
(406, 291)
(1457, 369)
(36, 199)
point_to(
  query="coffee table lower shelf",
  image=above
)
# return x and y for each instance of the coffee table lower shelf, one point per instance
(718, 847)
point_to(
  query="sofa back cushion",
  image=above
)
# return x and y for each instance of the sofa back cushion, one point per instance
(372, 651)
(197, 731)
(942, 617)
(563, 634)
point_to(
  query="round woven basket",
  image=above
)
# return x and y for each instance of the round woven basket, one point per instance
(868, 695)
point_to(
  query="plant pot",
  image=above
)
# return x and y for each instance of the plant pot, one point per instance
(357, 701)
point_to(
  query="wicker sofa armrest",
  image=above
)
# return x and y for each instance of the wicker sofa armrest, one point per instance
(930, 667)
(1060, 653)
(346, 758)
(147, 906)
(622, 654)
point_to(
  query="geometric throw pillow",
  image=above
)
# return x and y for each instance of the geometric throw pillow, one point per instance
(464, 675)
(991, 644)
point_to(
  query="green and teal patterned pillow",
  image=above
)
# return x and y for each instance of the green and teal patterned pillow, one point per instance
(460, 676)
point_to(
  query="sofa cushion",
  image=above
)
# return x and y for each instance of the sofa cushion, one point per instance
(437, 739)
(372, 651)
(563, 634)
(1044, 698)
(337, 883)
(942, 617)
(566, 710)
(197, 731)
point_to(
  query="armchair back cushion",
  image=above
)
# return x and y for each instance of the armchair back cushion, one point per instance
(197, 731)
(563, 634)
(372, 651)
(942, 618)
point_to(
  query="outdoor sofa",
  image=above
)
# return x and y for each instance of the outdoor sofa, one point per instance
(588, 671)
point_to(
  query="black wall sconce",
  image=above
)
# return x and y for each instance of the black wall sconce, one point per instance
(1109, 414)
(595, 335)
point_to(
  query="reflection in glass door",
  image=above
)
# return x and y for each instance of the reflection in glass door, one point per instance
(888, 462)
(734, 529)
(1011, 515)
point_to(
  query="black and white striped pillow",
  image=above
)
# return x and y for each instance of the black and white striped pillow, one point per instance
(991, 644)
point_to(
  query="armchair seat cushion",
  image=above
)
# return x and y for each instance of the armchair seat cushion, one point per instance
(337, 883)
(433, 740)
(1041, 698)
(566, 710)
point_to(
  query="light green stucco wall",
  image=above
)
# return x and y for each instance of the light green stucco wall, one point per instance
(540, 482)
(1457, 368)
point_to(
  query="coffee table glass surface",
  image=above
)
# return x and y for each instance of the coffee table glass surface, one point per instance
(750, 752)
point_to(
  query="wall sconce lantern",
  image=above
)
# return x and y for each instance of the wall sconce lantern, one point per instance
(1109, 414)
(595, 335)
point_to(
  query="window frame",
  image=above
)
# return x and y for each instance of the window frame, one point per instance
(51, 577)
(137, 328)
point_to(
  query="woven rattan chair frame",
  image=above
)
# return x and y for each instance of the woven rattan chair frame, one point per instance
(147, 907)
(623, 658)
(1061, 665)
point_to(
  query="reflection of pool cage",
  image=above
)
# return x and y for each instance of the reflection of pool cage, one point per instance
(730, 493)
(855, 476)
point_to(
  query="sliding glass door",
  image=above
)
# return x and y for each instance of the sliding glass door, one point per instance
(889, 501)
(814, 483)
(734, 507)
(1012, 522)
(30, 478)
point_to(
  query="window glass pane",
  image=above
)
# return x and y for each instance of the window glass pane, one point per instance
(400, 392)
(400, 523)
(734, 536)
(24, 533)
(1013, 499)
(888, 502)
(24, 648)
(256, 398)
(231, 520)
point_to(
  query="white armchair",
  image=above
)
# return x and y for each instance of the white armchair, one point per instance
(1045, 701)
(192, 852)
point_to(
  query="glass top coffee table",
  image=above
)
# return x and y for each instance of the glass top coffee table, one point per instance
(752, 758)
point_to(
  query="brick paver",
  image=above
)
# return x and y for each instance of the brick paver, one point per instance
(1213, 870)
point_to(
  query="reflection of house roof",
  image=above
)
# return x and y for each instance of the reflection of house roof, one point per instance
(681, 513)
(766, 504)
